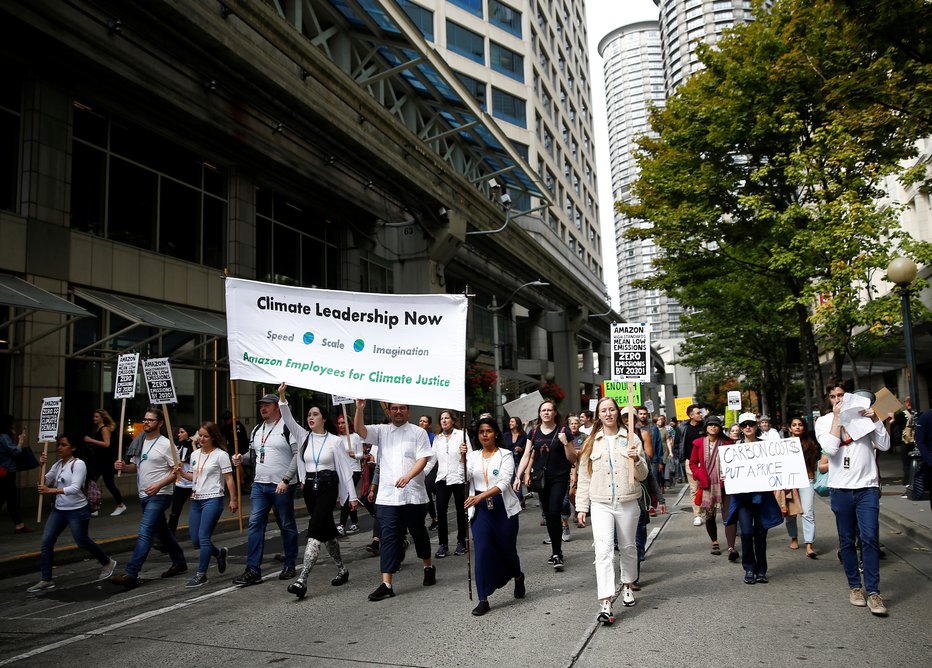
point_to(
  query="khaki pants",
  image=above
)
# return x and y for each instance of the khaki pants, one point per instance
(693, 488)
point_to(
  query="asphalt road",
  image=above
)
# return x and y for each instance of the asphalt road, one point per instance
(694, 610)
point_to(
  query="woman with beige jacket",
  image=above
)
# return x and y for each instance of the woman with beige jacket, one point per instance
(608, 493)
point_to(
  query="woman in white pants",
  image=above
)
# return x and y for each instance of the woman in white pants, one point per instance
(607, 492)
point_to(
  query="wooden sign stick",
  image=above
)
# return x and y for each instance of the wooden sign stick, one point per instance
(45, 451)
(239, 469)
(631, 429)
(119, 435)
(171, 437)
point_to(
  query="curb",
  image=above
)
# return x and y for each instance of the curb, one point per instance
(918, 533)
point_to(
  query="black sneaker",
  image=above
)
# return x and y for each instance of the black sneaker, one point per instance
(762, 578)
(557, 563)
(605, 617)
(222, 560)
(288, 572)
(298, 588)
(550, 559)
(749, 578)
(430, 576)
(175, 569)
(481, 609)
(382, 592)
(433, 525)
(733, 555)
(373, 548)
(249, 577)
(520, 590)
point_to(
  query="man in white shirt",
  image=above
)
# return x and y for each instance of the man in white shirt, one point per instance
(401, 499)
(449, 482)
(152, 461)
(766, 432)
(272, 452)
(854, 485)
(585, 422)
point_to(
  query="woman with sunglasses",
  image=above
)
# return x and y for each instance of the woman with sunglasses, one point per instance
(66, 480)
(755, 513)
(326, 476)
(492, 507)
(606, 492)
(210, 470)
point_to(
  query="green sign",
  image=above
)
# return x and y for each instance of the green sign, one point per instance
(618, 391)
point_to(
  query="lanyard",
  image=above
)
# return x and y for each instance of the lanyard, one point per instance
(197, 473)
(265, 436)
(486, 462)
(316, 457)
(145, 455)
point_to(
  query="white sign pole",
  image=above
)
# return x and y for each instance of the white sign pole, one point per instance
(124, 389)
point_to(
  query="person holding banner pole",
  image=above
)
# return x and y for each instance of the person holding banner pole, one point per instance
(493, 509)
(609, 494)
(152, 459)
(325, 477)
(66, 481)
(755, 513)
(404, 451)
(272, 450)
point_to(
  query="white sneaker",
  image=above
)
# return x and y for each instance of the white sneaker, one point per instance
(566, 535)
(627, 596)
(340, 530)
(119, 510)
(697, 522)
(41, 585)
(352, 528)
(96, 513)
(107, 571)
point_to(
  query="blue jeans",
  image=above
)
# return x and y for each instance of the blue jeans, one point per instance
(753, 538)
(153, 523)
(807, 501)
(77, 521)
(859, 509)
(261, 499)
(205, 513)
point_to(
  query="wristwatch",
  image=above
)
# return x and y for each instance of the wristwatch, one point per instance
(287, 481)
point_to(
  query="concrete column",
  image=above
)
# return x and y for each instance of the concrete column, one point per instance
(563, 326)
(241, 216)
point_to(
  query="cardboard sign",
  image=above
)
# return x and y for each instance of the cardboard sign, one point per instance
(631, 352)
(619, 391)
(682, 403)
(885, 403)
(158, 373)
(763, 466)
(525, 408)
(125, 381)
(48, 418)
(734, 400)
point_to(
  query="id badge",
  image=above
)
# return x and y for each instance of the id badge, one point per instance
(847, 462)
(314, 485)
(490, 504)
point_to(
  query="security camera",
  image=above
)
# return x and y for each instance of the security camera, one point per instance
(494, 185)
(505, 200)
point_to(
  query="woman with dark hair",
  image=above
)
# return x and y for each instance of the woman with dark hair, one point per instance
(609, 494)
(515, 439)
(325, 475)
(811, 454)
(66, 481)
(183, 487)
(10, 447)
(704, 464)
(449, 483)
(549, 458)
(493, 511)
(210, 469)
(755, 513)
(103, 455)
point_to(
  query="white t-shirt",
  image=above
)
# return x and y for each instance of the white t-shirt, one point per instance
(318, 455)
(153, 463)
(399, 449)
(208, 470)
(70, 477)
(356, 443)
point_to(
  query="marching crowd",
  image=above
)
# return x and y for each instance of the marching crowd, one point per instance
(609, 469)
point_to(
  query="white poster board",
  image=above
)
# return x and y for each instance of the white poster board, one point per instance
(125, 382)
(397, 348)
(631, 352)
(48, 419)
(763, 466)
(338, 400)
(525, 408)
(161, 387)
(734, 400)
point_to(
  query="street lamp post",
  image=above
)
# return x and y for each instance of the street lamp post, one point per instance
(495, 308)
(902, 271)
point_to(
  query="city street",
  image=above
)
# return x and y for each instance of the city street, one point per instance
(693, 609)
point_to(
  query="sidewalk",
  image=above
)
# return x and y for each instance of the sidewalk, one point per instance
(913, 518)
(19, 553)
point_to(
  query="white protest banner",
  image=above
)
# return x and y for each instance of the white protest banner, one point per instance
(48, 419)
(337, 400)
(631, 352)
(763, 466)
(525, 408)
(734, 400)
(396, 348)
(158, 373)
(125, 381)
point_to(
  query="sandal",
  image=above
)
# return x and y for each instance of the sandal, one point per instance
(716, 550)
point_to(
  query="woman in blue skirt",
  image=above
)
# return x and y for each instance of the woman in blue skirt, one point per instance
(493, 509)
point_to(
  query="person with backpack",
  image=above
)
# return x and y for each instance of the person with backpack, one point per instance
(66, 481)
(272, 451)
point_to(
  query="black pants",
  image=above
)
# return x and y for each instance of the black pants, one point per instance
(352, 515)
(179, 497)
(551, 503)
(10, 496)
(444, 492)
(102, 467)
(394, 522)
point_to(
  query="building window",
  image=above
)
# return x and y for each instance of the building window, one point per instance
(506, 61)
(421, 17)
(471, 6)
(376, 274)
(465, 42)
(132, 186)
(475, 87)
(294, 247)
(505, 17)
(509, 108)
(10, 108)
